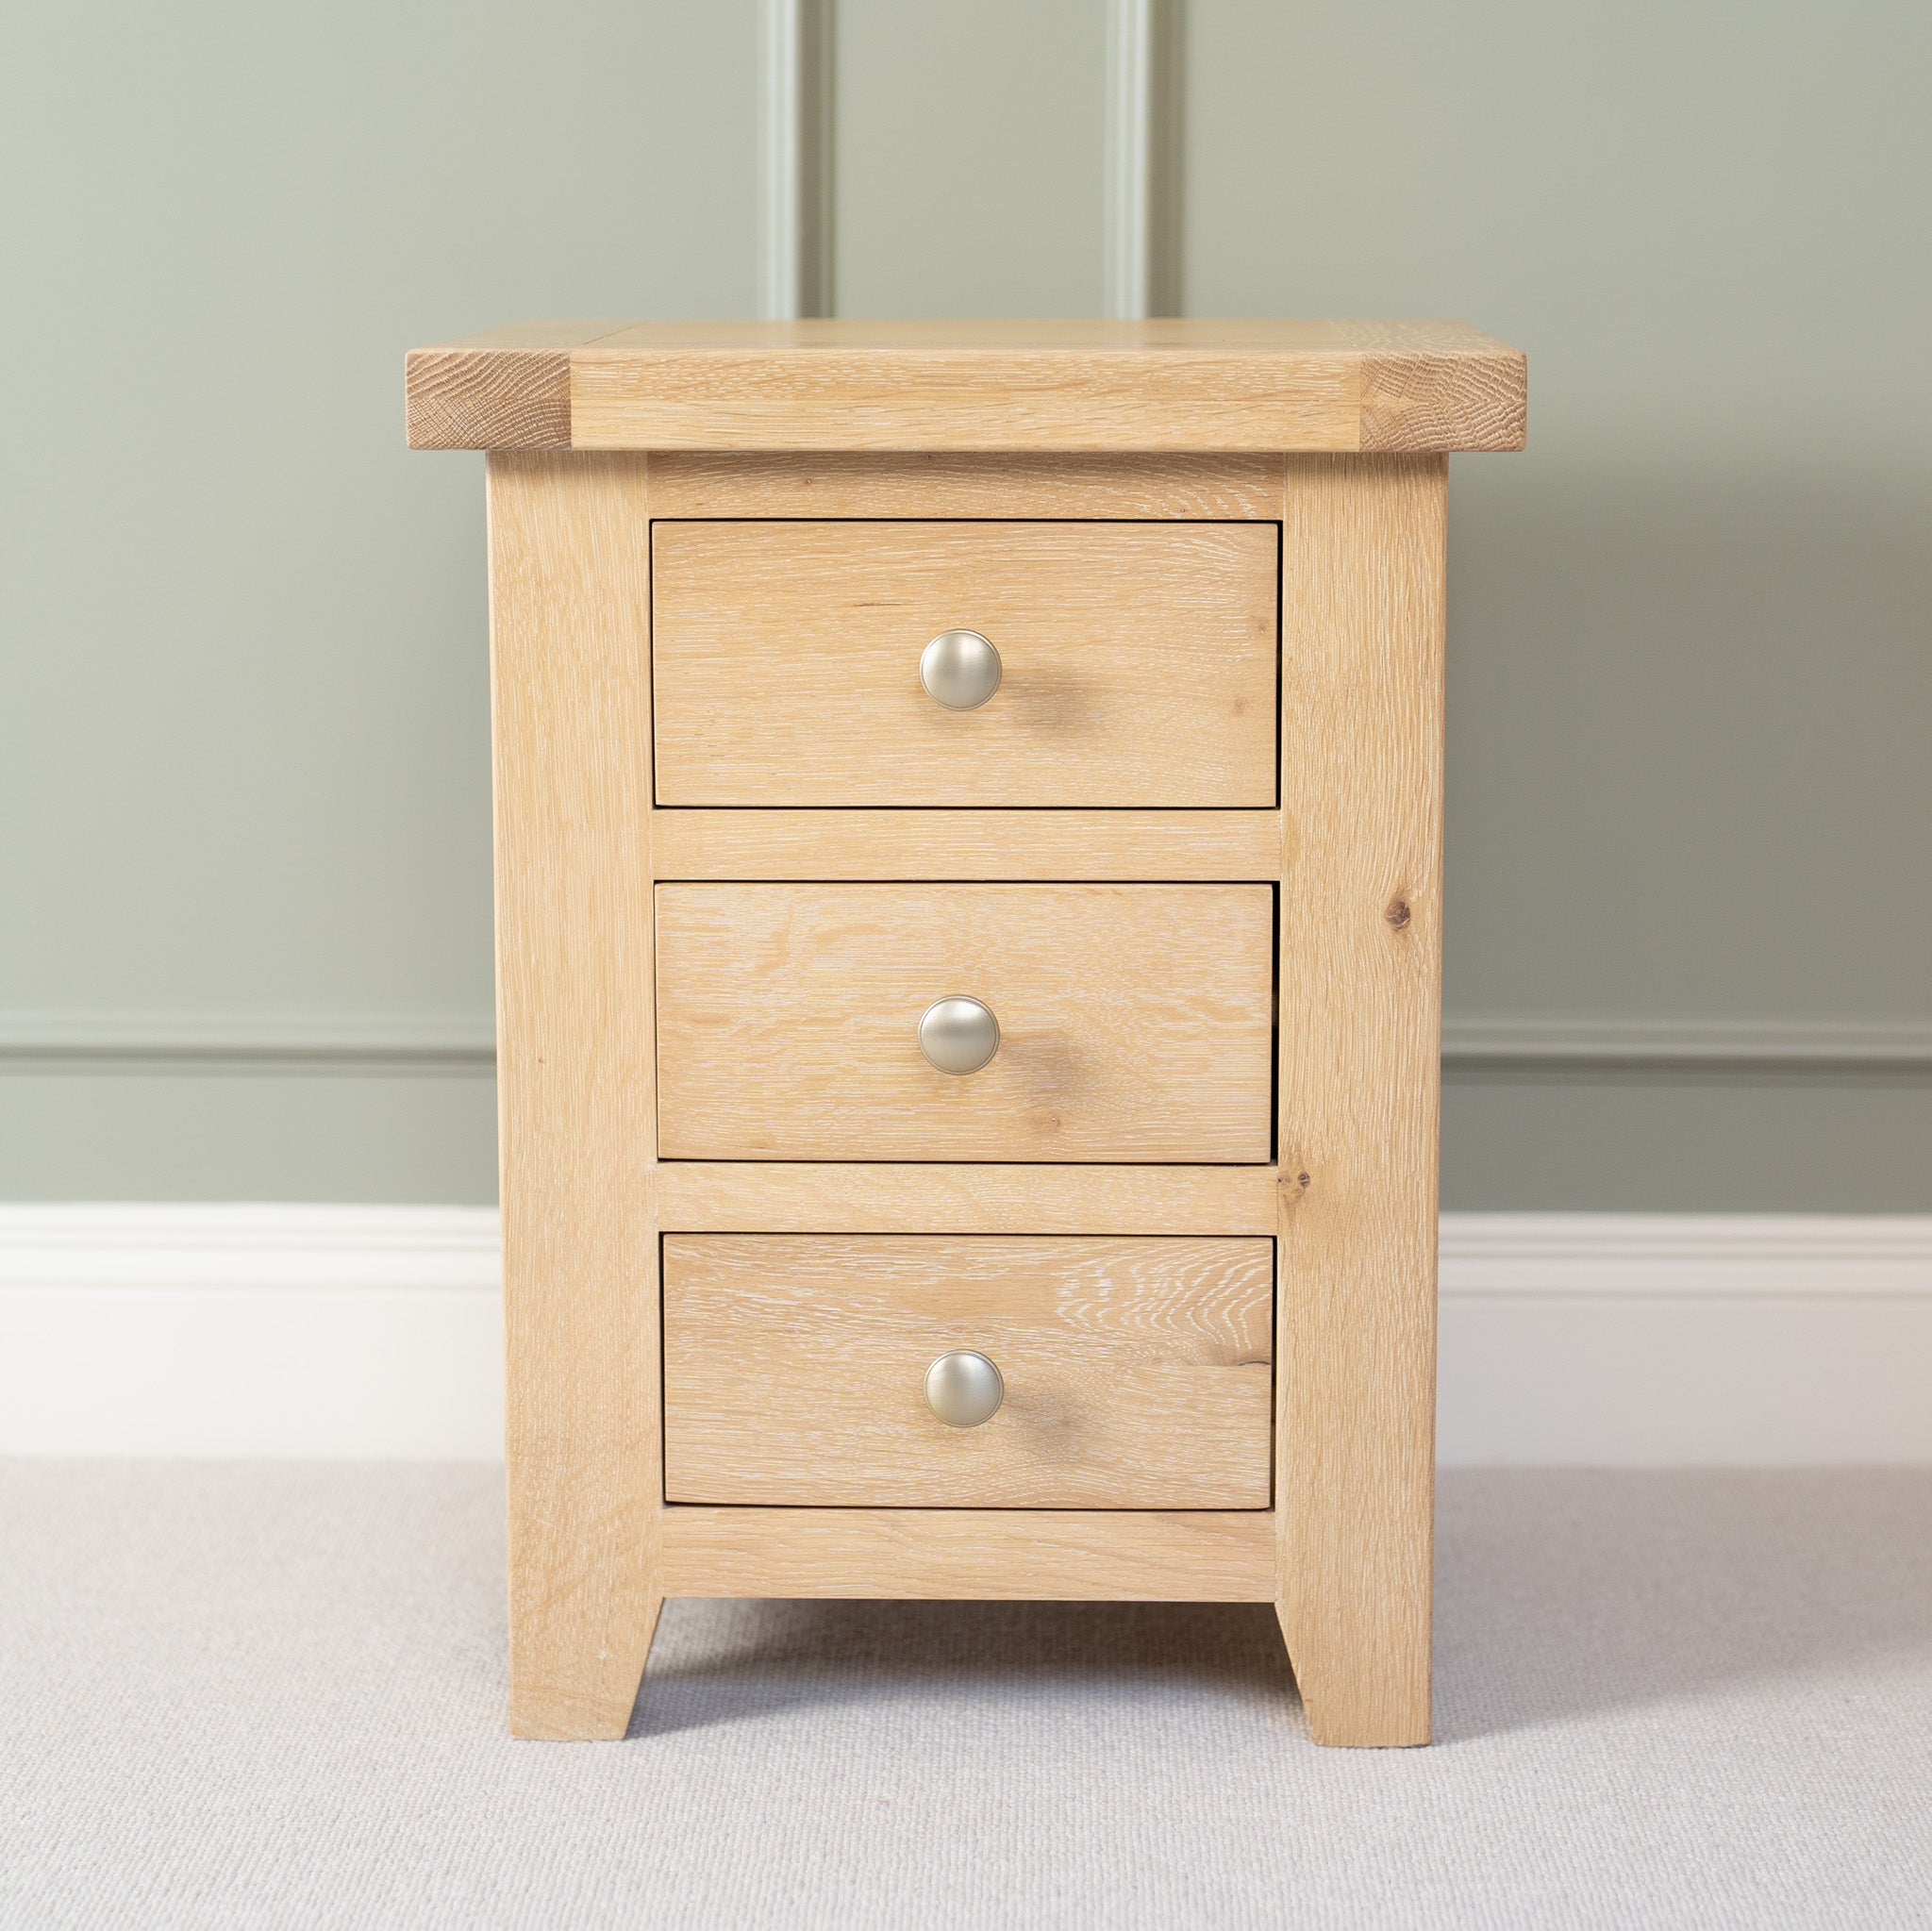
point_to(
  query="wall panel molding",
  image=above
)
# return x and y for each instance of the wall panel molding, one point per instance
(1608, 1340)
(1140, 254)
(1583, 1042)
(247, 1042)
(795, 80)
(348, 1043)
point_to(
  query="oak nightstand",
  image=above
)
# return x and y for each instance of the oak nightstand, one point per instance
(968, 880)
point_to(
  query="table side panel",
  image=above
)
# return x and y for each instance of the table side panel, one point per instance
(576, 1081)
(1362, 643)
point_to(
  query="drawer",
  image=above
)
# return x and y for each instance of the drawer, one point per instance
(1134, 1022)
(1137, 663)
(1132, 1374)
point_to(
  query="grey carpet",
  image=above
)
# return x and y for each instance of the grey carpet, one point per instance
(273, 1696)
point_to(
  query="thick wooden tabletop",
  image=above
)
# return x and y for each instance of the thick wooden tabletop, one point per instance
(987, 386)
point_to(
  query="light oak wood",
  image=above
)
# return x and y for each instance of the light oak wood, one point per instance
(1193, 386)
(1427, 386)
(1011, 1554)
(1138, 663)
(1175, 487)
(1354, 850)
(928, 1197)
(1362, 661)
(903, 844)
(1136, 1021)
(570, 721)
(1138, 1372)
(504, 388)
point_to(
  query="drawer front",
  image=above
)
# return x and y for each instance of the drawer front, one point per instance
(1134, 1022)
(1137, 663)
(1133, 1374)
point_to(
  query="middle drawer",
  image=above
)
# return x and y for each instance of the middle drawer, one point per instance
(1134, 1022)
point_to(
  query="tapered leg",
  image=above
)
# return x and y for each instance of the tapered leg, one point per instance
(561, 1694)
(571, 730)
(1362, 637)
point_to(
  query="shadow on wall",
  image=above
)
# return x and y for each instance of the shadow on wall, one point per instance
(1685, 713)
(1686, 781)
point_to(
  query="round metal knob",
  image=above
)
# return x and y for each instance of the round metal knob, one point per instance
(965, 1389)
(960, 670)
(958, 1035)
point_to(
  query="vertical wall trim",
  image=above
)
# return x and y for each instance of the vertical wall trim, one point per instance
(795, 158)
(1140, 253)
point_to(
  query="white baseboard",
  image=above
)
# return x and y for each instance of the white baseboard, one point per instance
(1643, 1340)
(1606, 1339)
(354, 1331)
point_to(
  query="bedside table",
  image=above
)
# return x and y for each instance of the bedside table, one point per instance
(967, 875)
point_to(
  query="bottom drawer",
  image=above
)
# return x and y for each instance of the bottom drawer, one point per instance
(1131, 1373)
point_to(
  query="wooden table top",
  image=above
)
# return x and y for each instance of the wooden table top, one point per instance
(1067, 386)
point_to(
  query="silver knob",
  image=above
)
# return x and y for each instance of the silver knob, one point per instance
(958, 1035)
(965, 1389)
(960, 670)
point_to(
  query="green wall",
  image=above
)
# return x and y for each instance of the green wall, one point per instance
(245, 937)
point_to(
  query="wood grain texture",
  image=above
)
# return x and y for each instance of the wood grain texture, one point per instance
(504, 388)
(1138, 1371)
(1191, 386)
(571, 719)
(904, 844)
(825, 1196)
(988, 1555)
(1178, 488)
(1194, 386)
(1362, 657)
(1135, 1022)
(1138, 663)
(1426, 386)
(1345, 1554)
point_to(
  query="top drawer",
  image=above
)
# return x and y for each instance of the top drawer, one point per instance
(1137, 663)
